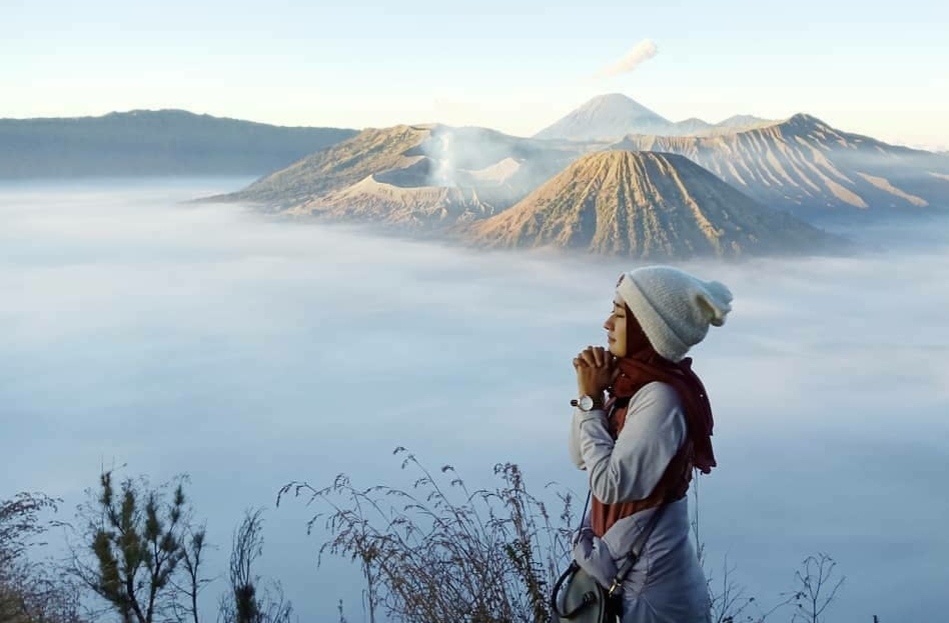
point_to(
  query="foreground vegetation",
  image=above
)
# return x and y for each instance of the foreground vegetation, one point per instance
(431, 553)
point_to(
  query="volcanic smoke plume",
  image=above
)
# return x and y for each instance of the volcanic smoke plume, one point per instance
(641, 52)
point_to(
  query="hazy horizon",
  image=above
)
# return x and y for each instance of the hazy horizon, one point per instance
(927, 144)
(247, 352)
(515, 69)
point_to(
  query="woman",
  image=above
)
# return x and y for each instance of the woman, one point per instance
(640, 446)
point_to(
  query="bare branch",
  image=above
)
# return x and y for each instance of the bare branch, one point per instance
(438, 552)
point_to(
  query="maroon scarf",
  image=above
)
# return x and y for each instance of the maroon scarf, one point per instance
(643, 365)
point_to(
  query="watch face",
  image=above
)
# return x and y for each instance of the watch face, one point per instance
(586, 403)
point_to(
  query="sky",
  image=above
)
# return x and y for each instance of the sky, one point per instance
(877, 68)
(248, 353)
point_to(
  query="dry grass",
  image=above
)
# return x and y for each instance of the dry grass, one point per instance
(439, 552)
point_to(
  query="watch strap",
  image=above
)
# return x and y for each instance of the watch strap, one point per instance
(597, 402)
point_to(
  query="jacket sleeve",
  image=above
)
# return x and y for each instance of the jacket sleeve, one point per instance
(629, 468)
(574, 443)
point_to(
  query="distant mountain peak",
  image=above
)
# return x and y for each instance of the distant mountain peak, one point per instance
(617, 104)
(805, 121)
(614, 101)
(611, 97)
(741, 120)
(606, 117)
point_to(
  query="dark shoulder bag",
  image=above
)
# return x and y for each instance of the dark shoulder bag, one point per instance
(578, 598)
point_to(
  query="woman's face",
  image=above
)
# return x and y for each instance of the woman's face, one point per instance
(615, 327)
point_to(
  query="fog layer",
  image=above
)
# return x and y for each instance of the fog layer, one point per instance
(206, 339)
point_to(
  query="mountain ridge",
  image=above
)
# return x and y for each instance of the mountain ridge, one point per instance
(153, 142)
(612, 116)
(647, 205)
(438, 179)
(375, 176)
(805, 166)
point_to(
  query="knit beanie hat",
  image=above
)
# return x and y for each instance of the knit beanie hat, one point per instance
(674, 308)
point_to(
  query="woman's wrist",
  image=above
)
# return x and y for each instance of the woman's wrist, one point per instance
(597, 397)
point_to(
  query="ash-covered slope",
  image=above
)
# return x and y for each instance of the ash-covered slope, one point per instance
(647, 205)
(404, 207)
(341, 165)
(414, 177)
(806, 167)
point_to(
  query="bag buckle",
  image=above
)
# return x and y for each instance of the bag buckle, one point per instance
(613, 587)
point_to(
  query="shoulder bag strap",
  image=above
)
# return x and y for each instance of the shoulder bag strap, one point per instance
(636, 550)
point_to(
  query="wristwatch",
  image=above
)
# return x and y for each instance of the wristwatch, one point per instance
(584, 403)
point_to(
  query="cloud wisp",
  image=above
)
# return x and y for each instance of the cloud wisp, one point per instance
(639, 54)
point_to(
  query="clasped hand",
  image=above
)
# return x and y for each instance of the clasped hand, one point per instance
(595, 370)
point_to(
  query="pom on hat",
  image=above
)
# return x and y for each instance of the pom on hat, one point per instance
(673, 307)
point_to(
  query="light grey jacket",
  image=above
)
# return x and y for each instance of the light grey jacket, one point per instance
(667, 584)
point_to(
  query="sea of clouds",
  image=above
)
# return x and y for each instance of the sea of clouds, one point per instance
(173, 338)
